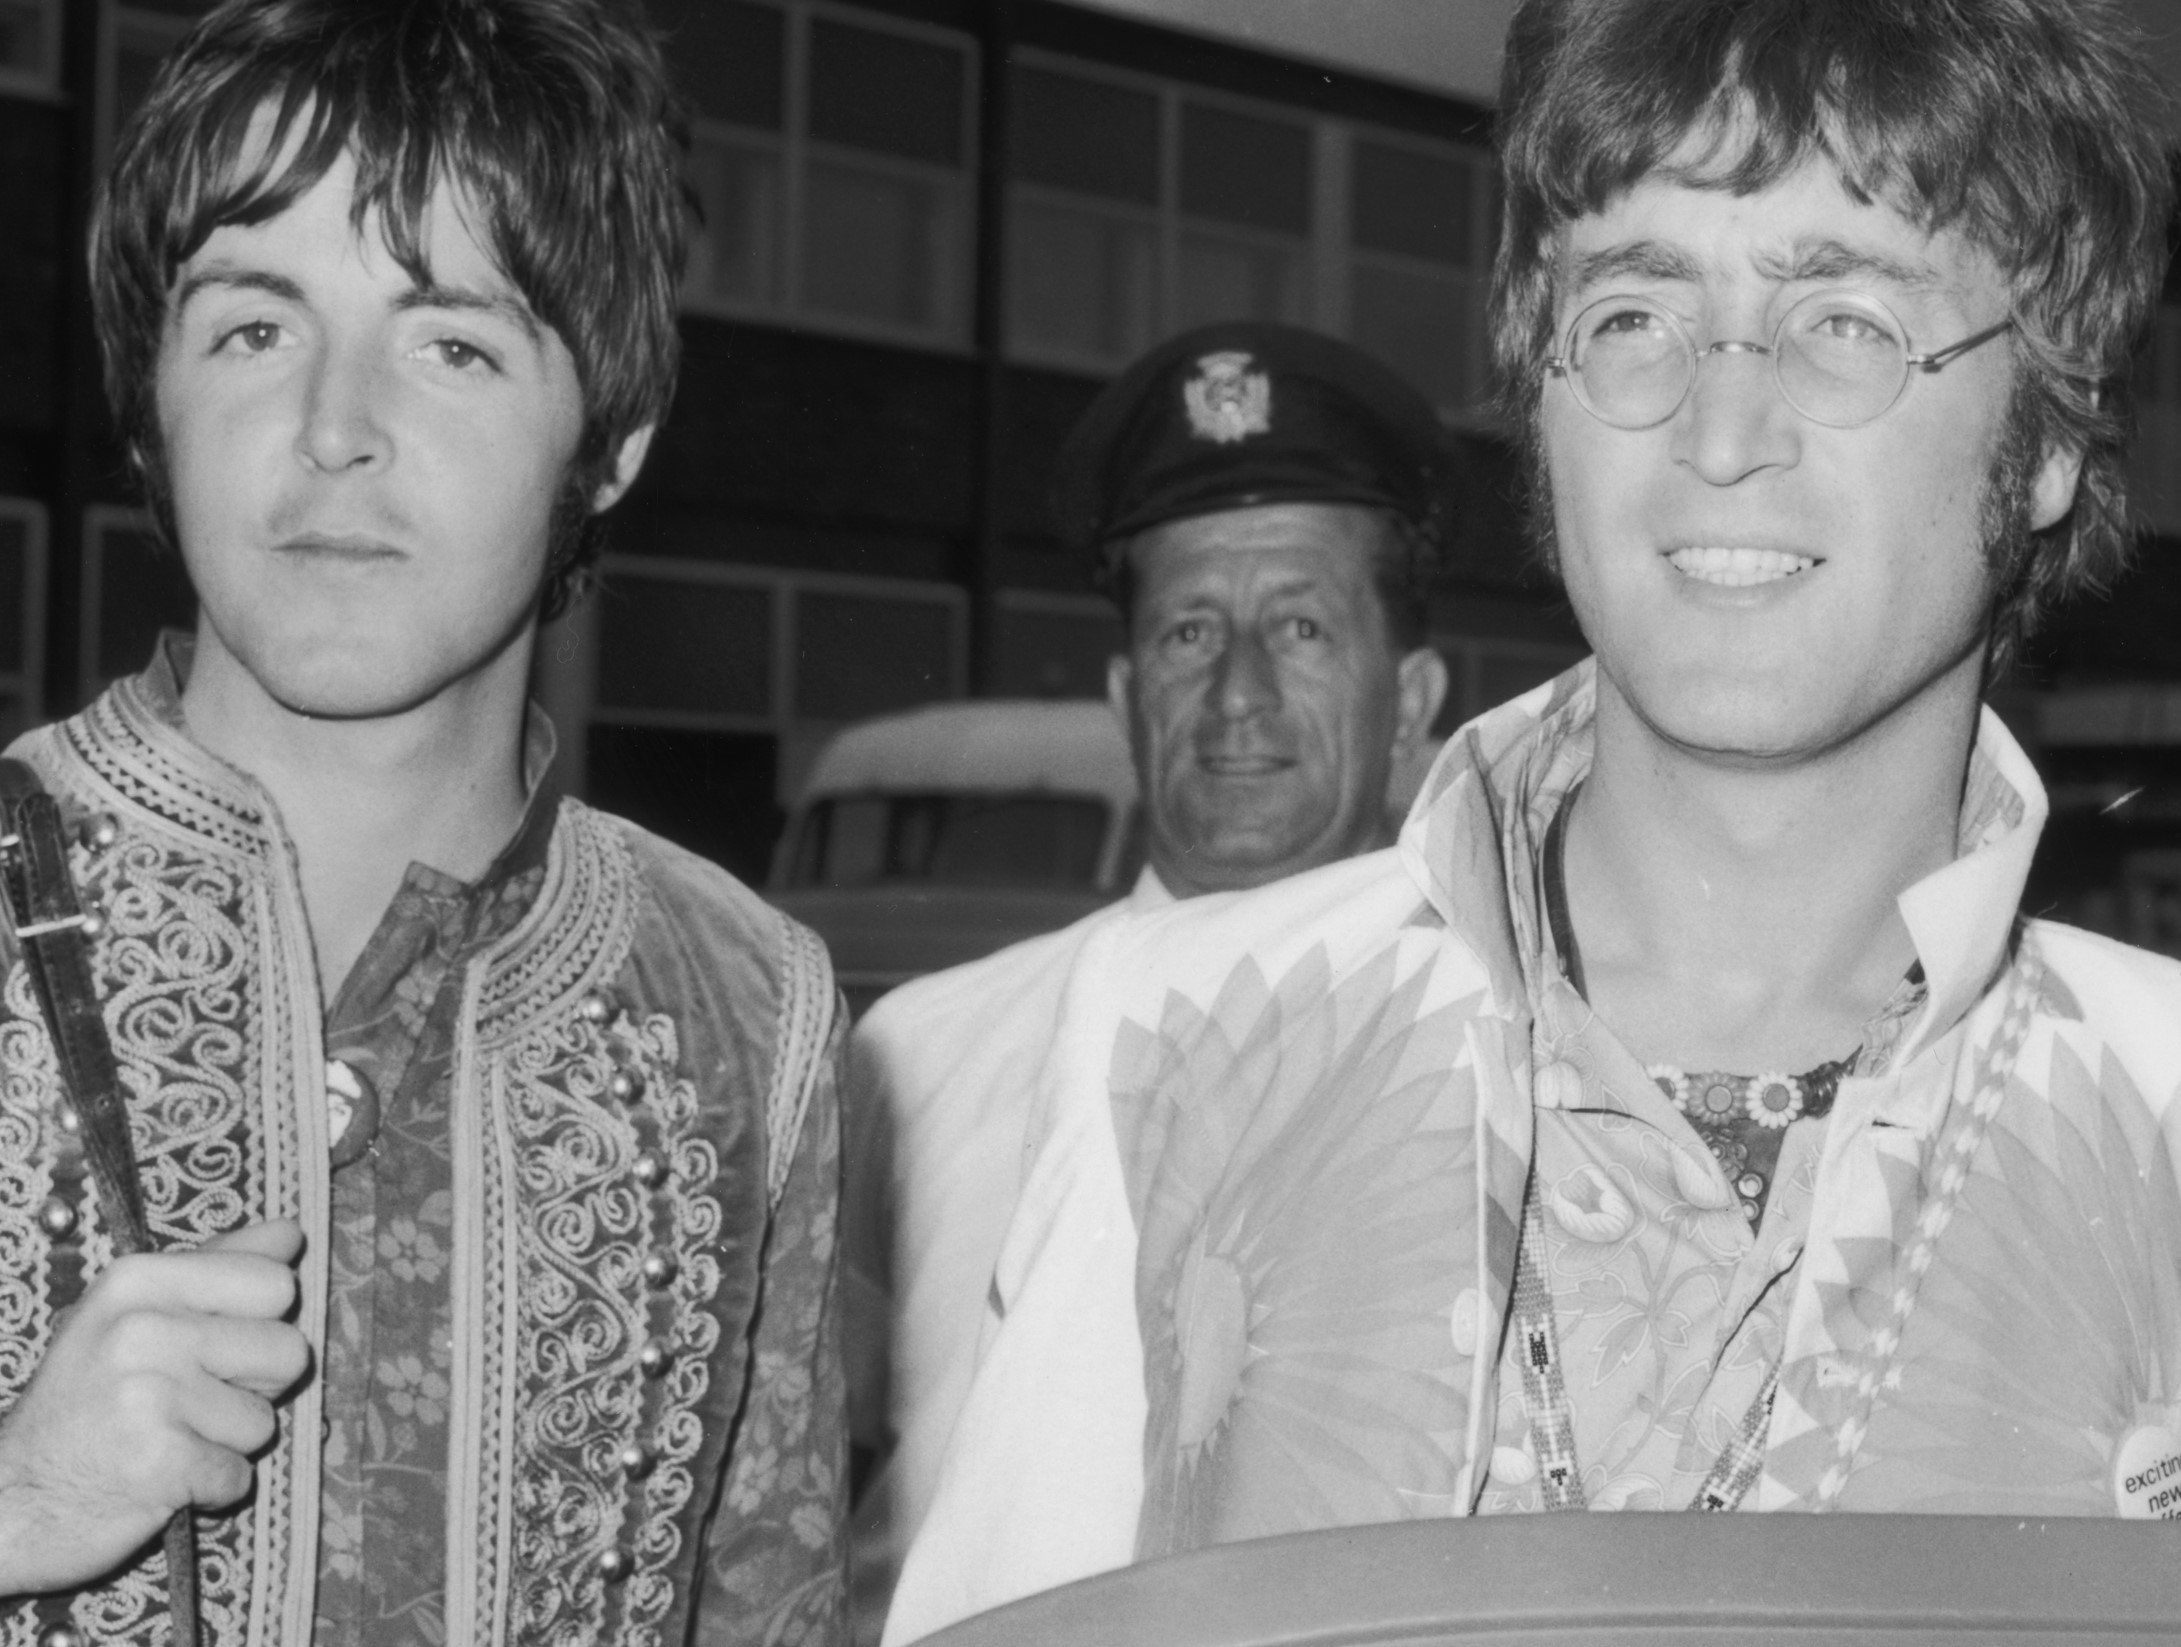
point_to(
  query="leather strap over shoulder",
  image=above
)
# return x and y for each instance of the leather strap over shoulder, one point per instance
(38, 897)
(50, 925)
(807, 1004)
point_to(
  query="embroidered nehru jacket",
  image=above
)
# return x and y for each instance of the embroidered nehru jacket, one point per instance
(634, 1359)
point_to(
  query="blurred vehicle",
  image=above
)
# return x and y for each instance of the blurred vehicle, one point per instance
(936, 836)
(930, 838)
(1594, 1580)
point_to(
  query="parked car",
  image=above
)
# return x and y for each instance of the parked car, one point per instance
(936, 836)
(930, 838)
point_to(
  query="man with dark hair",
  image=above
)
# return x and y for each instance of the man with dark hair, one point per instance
(1266, 506)
(1685, 1118)
(488, 1144)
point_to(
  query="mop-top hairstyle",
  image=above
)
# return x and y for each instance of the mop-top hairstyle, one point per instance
(552, 117)
(2028, 126)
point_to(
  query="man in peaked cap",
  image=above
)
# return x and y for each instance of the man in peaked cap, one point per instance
(1266, 507)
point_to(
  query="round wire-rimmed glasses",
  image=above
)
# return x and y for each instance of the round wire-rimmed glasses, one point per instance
(1840, 357)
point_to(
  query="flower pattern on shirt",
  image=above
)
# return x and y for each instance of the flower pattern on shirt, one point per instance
(1295, 1251)
(389, 1341)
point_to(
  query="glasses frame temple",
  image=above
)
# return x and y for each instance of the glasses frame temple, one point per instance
(1953, 351)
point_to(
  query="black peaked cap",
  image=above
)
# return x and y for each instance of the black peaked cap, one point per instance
(1244, 413)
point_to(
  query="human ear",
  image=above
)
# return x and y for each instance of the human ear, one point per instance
(1421, 681)
(1120, 687)
(2052, 494)
(628, 462)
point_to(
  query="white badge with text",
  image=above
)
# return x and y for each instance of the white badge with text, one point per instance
(2147, 1474)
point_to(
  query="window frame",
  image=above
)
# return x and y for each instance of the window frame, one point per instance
(1166, 219)
(784, 589)
(26, 687)
(114, 17)
(99, 521)
(1468, 656)
(43, 83)
(1327, 256)
(795, 149)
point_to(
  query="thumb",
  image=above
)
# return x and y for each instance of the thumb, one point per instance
(280, 1239)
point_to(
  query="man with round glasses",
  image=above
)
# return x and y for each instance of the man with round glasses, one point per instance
(1682, 1117)
(1841, 359)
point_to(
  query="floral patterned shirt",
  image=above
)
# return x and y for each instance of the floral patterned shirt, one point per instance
(390, 1053)
(1670, 1306)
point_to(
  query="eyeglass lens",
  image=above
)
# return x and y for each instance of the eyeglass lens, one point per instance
(1840, 358)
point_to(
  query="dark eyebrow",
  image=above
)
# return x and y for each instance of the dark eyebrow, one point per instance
(468, 300)
(1645, 259)
(248, 280)
(1835, 260)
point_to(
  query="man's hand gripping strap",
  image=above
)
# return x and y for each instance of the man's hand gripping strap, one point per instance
(39, 901)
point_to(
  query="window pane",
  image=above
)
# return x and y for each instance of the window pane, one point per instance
(864, 654)
(1086, 135)
(139, 49)
(1224, 279)
(1428, 327)
(1240, 169)
(843, 843)
(886, 92)
(961, 840)
(728, 58)
(142, 590)
(14, 593)
(881, 247)
(736, 253)
(1055, 654)
(712, 792)
(1080, 282)
(1505, 675)
(1018, 840)
(23, 45)
(668, 644)
(1416, 204)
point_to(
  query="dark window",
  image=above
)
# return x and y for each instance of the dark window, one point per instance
(885, 93)
(22, 36)
(668, 644)
(955, 840)
(1421, 324)
(712, 792)
(1086, 135)
(1055, 654)
(728, 58)
(875, 245)
(142, 590)
(865, 655)
(1238, 168)
(1416, 204)
(14, 587)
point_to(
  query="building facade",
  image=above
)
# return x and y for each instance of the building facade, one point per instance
(932, 228)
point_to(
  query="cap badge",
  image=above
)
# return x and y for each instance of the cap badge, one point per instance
(1227, 401)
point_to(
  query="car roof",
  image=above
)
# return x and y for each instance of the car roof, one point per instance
(993, 744)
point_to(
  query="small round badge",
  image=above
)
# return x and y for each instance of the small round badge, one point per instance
(2147, 1474)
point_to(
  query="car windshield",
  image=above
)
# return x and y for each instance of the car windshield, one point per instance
(1038, 839)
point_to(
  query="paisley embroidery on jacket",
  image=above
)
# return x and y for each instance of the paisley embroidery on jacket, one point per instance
(183, 970)
(552, 1427)
(27, 1080)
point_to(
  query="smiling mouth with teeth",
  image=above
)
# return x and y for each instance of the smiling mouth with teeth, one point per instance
(1738, 568)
